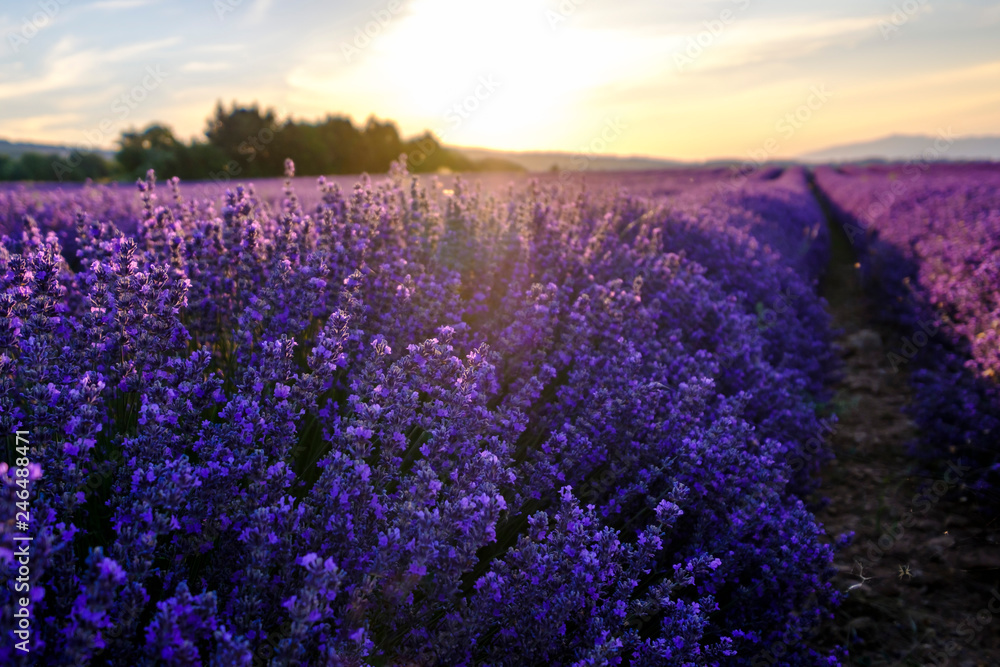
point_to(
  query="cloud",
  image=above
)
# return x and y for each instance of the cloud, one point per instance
(129, 52)
(40, 125)
(197, 67)
(67, 68)
(62, 71)
(543, 72)
(216, 48)
(7, 26)
(752, 41)
(258, 12)
(558, 79)
(121, 4)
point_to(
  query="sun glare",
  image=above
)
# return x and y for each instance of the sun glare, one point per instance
(510, 75)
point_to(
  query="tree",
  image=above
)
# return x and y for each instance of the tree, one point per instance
(32, 167)
(153, 148)
(245, 142)
(246, 136)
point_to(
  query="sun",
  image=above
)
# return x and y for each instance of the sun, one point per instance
(506, 75)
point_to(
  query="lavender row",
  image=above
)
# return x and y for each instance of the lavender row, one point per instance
(412, 426)
(928, 238)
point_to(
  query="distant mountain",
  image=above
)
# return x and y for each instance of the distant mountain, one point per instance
(910, 147)
(543, 161)
(17, 149)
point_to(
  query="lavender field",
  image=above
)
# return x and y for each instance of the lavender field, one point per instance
(484, 420)
(928, 240)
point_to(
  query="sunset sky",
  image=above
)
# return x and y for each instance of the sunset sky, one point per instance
(685, 80)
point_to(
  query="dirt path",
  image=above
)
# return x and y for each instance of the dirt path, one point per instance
(923, 570)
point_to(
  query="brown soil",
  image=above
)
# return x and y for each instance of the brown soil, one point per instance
(922, 596)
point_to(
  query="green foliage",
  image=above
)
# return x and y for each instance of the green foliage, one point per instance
(157, 148)
(76, 166)
(245, 142)
(256, 144)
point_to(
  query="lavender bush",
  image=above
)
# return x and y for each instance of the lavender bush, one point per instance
(928, 238)
(402, 426)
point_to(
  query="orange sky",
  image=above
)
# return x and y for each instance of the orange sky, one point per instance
(685, 80)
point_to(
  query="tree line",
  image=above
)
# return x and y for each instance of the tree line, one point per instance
(245, 142)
